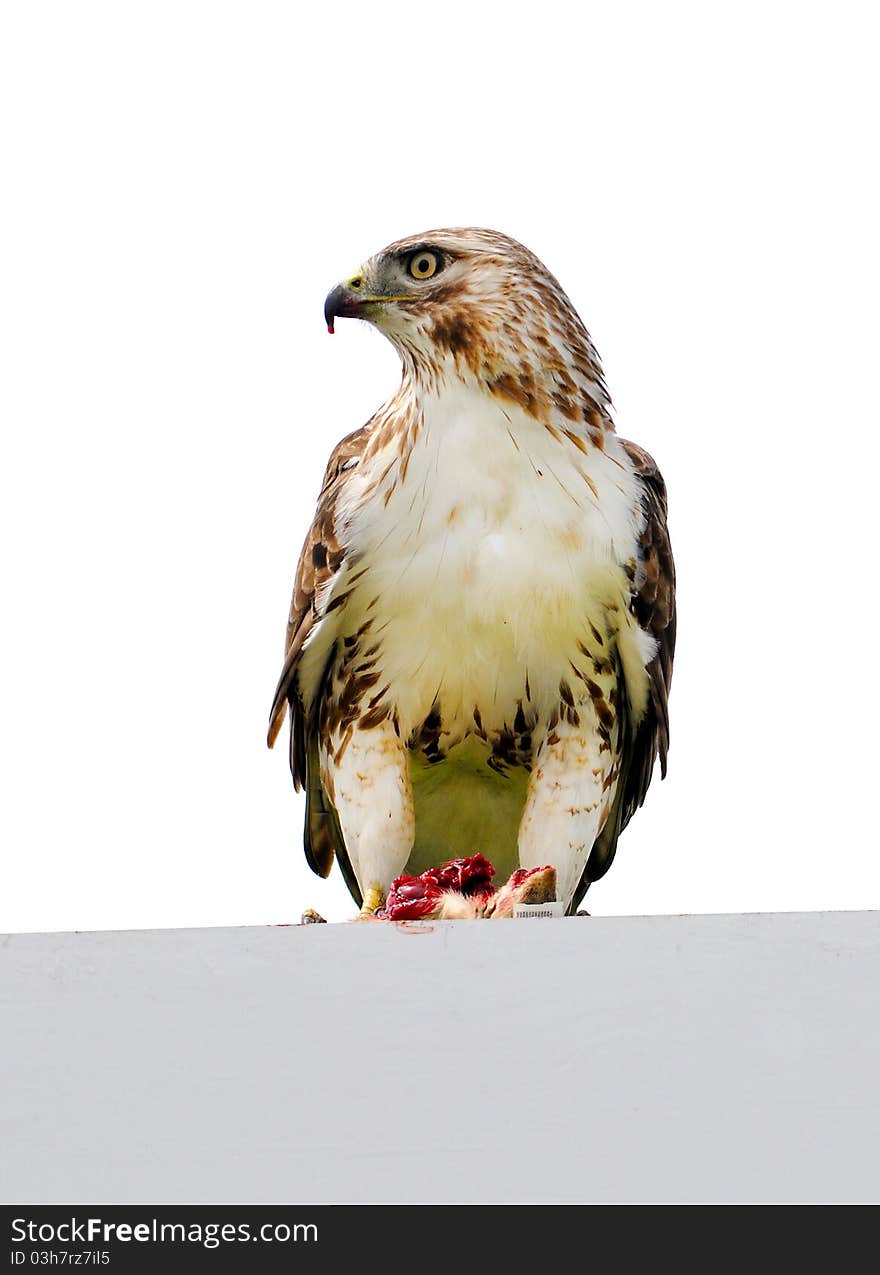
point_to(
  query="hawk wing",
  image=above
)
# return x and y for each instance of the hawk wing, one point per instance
(653, 605)
(654, 608)
(320, 561)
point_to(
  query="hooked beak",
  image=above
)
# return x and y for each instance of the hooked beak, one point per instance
(349, 301)
(342, 303)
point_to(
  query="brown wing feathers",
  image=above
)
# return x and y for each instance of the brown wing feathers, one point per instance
(319, 562)
(654, 608)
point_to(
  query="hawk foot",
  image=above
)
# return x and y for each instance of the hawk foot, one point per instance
(374, 900)
(311, 917)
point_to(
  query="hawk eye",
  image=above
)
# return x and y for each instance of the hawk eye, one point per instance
(423, 264)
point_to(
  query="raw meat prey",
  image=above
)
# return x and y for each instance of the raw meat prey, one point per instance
(462, 889)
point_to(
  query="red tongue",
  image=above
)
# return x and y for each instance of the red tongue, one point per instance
(330, 327)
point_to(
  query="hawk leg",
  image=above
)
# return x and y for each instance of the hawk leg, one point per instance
(365, 772)
(571, 792)
(374, 900)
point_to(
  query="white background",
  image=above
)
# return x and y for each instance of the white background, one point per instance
(182, 185)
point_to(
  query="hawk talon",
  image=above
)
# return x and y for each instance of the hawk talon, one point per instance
(311, 917)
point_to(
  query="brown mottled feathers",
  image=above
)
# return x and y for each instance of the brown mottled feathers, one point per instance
(654, 608)
(320, 559)
(653, 605)
(319, 562)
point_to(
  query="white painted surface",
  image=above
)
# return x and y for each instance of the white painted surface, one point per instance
(714, 1058)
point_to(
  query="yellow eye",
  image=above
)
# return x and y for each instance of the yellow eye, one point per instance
(422, 265)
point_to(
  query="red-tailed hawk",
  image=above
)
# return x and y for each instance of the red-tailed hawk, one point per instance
(480, 640)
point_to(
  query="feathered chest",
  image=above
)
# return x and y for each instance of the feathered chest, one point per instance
(481, 555)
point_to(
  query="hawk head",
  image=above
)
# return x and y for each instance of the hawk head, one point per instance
(476, 305)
